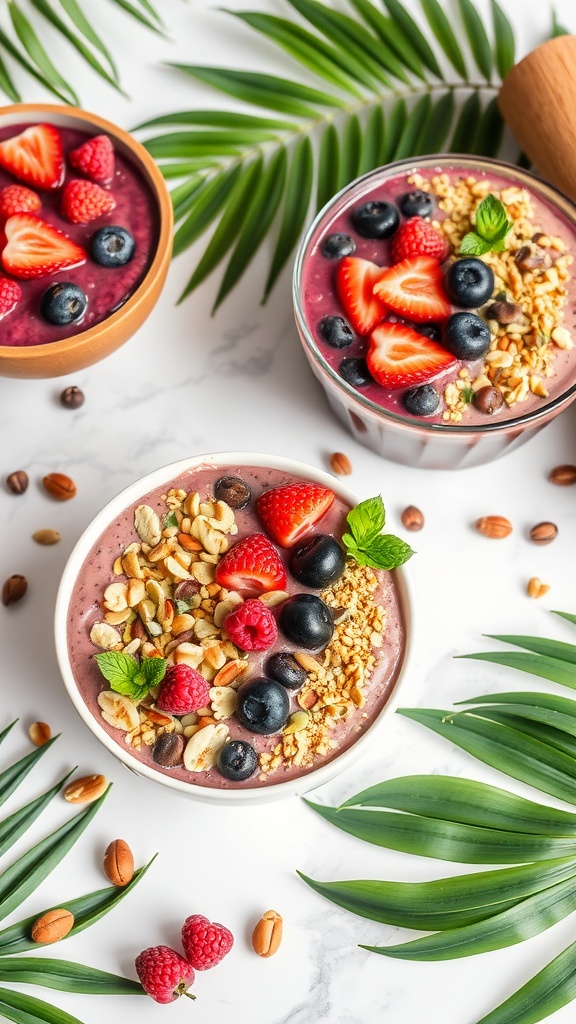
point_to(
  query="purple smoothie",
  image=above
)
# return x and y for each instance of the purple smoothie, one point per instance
(107, 288)
(96, 574)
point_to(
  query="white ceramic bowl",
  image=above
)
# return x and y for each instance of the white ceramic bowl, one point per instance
(139, 489)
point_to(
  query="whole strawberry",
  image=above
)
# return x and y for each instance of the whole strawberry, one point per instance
(183, 690)
(10, 295)
(205, 943)
(164, 974)
(84, 201)
(95, 159)
(418, 237)
(18, 199)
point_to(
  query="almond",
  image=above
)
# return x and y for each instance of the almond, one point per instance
(59, 486)
(52, 926)
(563, 476)
(340, 464)
(86, 789)
(14, 589)
(39, 733)
(46, 536)
(496, 527)
(535, 587)
(543, 533)
(119, 862)
(267, 935)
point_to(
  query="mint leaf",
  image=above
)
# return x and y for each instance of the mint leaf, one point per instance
(492, 222)
(387, 552)
(170, 519)
(467, 394)
(153, 670)
(473, 245)
(366, 544)
(118, 668)
(366, 520)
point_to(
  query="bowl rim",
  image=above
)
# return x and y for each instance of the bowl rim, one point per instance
(155, 181)
(372, 409)
(139, 488)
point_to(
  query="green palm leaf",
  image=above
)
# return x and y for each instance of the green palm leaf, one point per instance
(296, 205)
(66, 976)
(504, 35)
(477, 37)
(443, 31)
(17, 824)
(553, 987)
(24, 1009)
(393, 42)
(413, 33)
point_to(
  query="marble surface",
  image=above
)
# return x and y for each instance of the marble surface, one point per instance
(186, 384)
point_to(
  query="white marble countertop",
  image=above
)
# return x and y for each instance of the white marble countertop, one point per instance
(187, 384)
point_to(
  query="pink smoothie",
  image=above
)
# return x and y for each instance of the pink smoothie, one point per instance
(96, 574)
(107, 288)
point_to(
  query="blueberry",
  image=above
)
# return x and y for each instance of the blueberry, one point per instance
(317, 561)
(469, 283)
(112, 246)
(285, 669)
(355, 372)
(263, 706)
(466, 336)
(336, 331)
(376, 219)
(63, 303)
(306, 621)
(416, 203)
(338, 245)
(233, 490)
(237, 760)
(431, 331)
(422, 400)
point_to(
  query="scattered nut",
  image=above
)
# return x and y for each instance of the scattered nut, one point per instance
(488, 400)
(39, 733)
(72, 398)
(52, 926)
(86, 789)
(412, 518)
(46, 536)
(14, 589)
(118, 710)
(504, 312)
(119, 863)
(340, 463)
(168, 749)
(563, 476)
(496, 527)
(201, 751)
(233, 490)
(59, 486)
(536, 588)
(543, 533)
(17, 482)
(267, 935)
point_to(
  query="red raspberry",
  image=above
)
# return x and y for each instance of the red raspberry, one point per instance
(95, 158)
(18, 199)
(251, 626)
(10, 295)
(417, 237)
(183, 690)
(164, 974)
(83, 201)
(205, 943)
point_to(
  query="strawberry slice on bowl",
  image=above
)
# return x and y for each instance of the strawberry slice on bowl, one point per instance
(399, 357)
(252, 566)
(35, 156)
(355, 281)
(289, 511)
(35, 248)
(414, 288)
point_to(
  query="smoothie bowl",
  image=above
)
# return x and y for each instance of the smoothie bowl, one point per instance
(217, 636)
(85, 235)
(435, 300)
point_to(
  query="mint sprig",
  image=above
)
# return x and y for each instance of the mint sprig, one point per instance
(492, 227)
(367, 544)
(132, 678)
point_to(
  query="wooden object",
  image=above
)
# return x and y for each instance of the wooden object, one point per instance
(538, 102)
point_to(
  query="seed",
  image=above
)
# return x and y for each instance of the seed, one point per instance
(59, 486)
(563, 476)
(488, 400)
(496, 527)
(72, 398)
(85, 790)
(119, 862)
(340, 464)
(504, 312)
(267, 935)
(52, 926)
(17, 482)
(412, 518)
(46, 536)
(39, 733)
(543, 533)
(14, 589)
(535, 587)
(168, 749)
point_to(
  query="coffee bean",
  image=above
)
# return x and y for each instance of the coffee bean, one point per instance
(72, 398)
(17, 482)
(168, 749)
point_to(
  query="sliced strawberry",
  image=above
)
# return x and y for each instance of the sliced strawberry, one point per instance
(288, 512)
(355, 280)
(35, 248)
(252, 566)
(84, 201)
(35, 156)
(95, 159)
(399, 357)
(414, 288)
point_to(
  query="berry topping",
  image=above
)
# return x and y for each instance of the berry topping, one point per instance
(35, 156)
(376, 219)
(286, 670)
(338, 245)
(416, 203)
(355, 372)
(317, 561)
(112, 246)
(466, 336)
(422, 400)
(488, 400)
(289, 511)
(251, 626)
(10, 295)
(95, 159)
(414, 288)
(18, 199)
(84, 201)
(469, 283)
(205, 943)
(164, 974)
(183, 690)
(237, 761)
(233, 490)
(36, 249)
(355, 280)
(63, 303)
(252, 566)
(306, 621)
(263, 706)
(398, 356)
(335, 331)
(417, 237)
